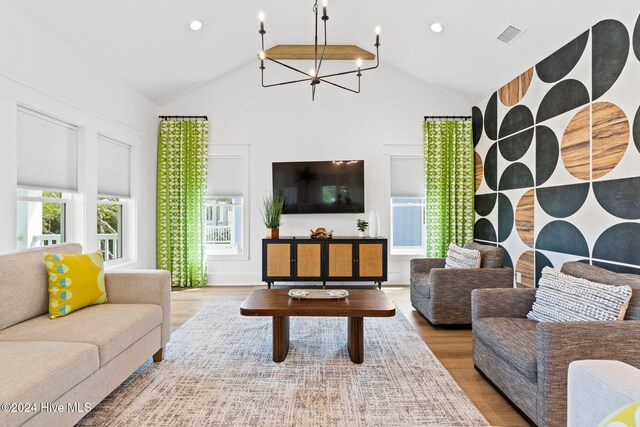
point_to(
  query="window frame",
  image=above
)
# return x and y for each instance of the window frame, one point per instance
(65, 201)
(395, 250)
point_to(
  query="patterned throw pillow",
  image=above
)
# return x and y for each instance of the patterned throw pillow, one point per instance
(75, 281)
(458, 257)
(564, 298)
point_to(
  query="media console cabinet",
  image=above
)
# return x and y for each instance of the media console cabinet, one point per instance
(340, 259)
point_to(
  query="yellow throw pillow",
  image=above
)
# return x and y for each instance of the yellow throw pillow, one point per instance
(75, 281)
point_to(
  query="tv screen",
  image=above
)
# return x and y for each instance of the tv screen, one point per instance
(321, 187)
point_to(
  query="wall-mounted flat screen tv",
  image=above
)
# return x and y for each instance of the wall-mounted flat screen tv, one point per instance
(321, 187)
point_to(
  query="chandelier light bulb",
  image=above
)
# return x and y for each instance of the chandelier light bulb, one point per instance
(359, 63)
(324, 3)
(262, 55)
(312, 73)
(378, 30)
(261, 16)
(195, 25)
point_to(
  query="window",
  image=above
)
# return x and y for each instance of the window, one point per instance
(47, 172)
(407, 226)
(224, 225)
(110, 227)
(41, 218)
(407, 205)
(225, 216)
(114, 188)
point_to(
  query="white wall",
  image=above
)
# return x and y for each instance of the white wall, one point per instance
(282, 124)
(40, 70)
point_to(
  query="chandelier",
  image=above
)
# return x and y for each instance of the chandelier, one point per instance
(314, 76)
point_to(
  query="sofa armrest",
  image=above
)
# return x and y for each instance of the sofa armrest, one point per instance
(142, 287)
(511, 302)
(467, 279)
(425, 265)
(560, 343)
(597, 388)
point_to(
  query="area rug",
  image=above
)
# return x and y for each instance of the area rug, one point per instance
(218, 372)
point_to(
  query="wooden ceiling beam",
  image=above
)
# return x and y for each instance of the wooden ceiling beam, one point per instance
(307, 52)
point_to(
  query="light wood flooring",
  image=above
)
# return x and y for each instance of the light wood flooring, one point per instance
(451, 346)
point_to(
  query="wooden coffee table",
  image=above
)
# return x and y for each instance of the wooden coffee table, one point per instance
(358, 305)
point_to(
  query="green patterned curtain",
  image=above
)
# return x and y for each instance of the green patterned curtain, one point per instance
(449, 175)
(182, 187)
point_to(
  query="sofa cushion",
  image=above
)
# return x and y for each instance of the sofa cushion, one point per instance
(75, 281)
(492, 256)
(42, 371)
(23, 283)
(511, 339)
(110, 327)
(600, 275)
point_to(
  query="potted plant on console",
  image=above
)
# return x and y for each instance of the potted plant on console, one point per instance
(362, 225)
(273, 206)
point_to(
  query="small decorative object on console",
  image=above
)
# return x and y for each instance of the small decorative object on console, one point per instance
(361, 225)
(273, 207)
(318, 293)
(321, 233)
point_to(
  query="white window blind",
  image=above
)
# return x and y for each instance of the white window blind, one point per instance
(47, 152)
(225, 176)
(407, 176)
(114, 168)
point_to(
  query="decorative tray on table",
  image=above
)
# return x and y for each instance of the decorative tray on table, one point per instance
(318, 293)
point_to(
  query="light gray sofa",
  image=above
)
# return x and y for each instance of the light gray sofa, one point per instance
(79, 358)
(529, 361)
(443, 295)
(598, 388)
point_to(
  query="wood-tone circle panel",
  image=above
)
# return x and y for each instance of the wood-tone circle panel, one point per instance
(511, 93)
(278, 260)
(575, 148)
(610, 133)
(370, 260)
(479, 170)
(524, 217)
(340, 259)
(309, 260)
(525, 266)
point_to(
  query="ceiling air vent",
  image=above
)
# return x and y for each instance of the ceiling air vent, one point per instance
(510, 34)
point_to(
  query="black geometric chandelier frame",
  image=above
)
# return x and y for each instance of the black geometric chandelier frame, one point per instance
(314, 76)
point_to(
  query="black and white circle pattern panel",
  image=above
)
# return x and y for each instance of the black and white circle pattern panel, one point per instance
(559, 148)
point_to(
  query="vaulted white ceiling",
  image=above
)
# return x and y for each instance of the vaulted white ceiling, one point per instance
(148, 43)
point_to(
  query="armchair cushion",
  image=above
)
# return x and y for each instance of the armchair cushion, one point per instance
(564, 298)
(458, 257)
(492, 256)
(511, 339)
(600, 275)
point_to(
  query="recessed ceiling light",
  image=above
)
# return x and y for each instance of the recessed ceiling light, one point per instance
(437, 27)
(195, 25)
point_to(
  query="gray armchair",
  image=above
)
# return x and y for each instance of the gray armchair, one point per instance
(528, 361)
(443, 296)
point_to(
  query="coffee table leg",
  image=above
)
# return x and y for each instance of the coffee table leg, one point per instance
(280, 338)
(355, 341)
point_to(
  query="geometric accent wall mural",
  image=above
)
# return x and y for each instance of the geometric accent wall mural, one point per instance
(558, 157)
